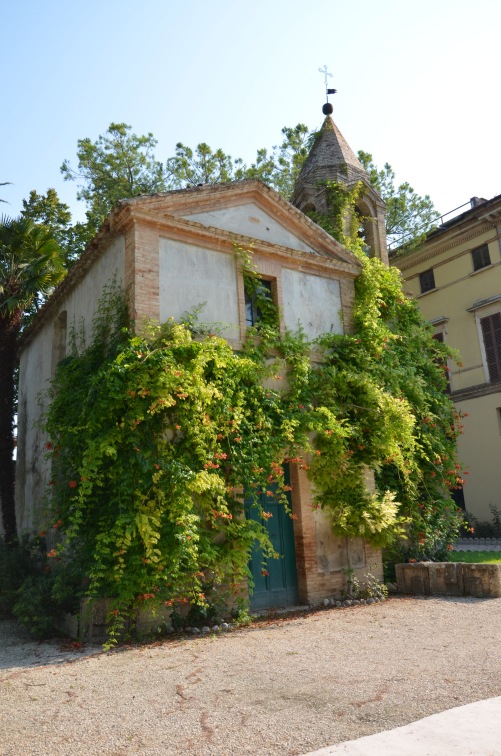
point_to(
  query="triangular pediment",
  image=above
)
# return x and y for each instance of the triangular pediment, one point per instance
(250, 219)
(246, 213)
(249, 209)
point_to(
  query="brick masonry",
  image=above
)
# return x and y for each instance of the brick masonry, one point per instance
(315, 585)
(142, 272)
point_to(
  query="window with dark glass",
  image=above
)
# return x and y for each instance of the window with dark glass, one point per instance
(481, 257)
(457, 495)
(427, 280)
(443, 362)
(491, 332)
(252, 312)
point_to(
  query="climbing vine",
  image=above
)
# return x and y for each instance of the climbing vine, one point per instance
(160, 439)
(153, 447)
(342, 219)
(392, 346)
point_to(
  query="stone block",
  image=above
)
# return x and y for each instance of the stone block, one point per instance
(419, 585)
(92, 620)
(413, 578)
(449, 579)
(446, 578)
(90, 623)
(482, 579)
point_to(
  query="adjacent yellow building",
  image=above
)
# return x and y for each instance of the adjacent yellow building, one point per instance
(455, 275)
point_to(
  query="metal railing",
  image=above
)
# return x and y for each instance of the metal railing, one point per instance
(438, 221)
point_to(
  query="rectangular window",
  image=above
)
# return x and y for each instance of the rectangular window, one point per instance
(457, 495)
(443, 363)
(491, 332)
(252, 311)
(480, 257)
(427, 280)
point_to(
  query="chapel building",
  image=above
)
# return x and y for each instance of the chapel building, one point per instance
(175, 251)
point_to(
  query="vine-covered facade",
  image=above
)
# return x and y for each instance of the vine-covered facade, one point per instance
(173, 254)
(227, 393)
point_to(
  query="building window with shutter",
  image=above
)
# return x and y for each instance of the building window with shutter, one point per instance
(491, 333)
(480, 257)
(427, 280)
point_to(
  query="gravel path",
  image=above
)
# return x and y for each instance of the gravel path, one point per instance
(283, 687)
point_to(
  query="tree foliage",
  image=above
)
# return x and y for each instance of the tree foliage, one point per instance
(396, 348)
(30, 266)
(4, 183)
(121, 164)
(47, 210)
(188, 168)
(409, 215)
(118, 165)
(280, 167)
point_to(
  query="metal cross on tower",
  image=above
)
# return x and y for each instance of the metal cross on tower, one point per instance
(326, 75)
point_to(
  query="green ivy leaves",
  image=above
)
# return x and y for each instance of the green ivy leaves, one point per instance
(154, 439)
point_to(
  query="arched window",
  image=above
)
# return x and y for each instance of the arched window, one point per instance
(309, 208)
(367, 228)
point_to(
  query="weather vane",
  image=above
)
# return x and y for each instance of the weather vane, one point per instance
(327, 74)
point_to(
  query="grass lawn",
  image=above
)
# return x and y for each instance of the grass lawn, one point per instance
(479, 557)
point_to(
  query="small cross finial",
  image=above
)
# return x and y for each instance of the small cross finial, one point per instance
(326, 74)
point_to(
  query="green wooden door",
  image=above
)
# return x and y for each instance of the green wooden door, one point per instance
(275, 581)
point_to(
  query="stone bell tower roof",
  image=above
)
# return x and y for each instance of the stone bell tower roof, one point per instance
(331, 158)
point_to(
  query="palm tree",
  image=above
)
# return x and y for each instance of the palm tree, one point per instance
(4, 183)
(30, 267)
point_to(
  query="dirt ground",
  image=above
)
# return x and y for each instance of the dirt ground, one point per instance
(285, 686)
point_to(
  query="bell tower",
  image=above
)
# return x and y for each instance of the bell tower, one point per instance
(332, 159)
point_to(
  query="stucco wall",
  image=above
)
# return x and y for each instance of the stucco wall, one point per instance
(32, 471)
(250, 220)
(81, 303)
(313, 301)
(455, 308)
(323, 558)
(457, 288)
(36, 369)
(479, 448)
(191, 276)
(335, 553)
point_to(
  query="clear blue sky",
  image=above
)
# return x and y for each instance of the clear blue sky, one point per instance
(418, 83)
